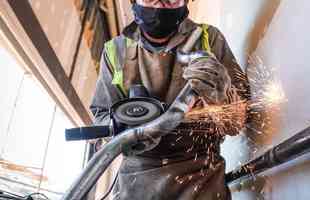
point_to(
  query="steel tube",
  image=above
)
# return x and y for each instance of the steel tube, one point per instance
(103, 158)
(124, 141)
(288, 150)
(185, 58)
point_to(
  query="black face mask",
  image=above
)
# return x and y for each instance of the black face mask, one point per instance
(159, 22)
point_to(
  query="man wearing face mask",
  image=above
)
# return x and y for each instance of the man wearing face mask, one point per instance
(145, 53)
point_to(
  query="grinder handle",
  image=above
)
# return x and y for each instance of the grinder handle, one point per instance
(87, 133)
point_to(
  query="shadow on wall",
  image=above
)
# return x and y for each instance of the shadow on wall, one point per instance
(264, 118)
(251, 29)
(261, 24)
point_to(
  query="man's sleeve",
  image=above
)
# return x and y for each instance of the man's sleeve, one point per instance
(105, 94)
(222, 51)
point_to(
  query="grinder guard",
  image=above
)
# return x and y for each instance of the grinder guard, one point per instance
(133, 136)
(136, 110)
(124, 141)
(127, 113)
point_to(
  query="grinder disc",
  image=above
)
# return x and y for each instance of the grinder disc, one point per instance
(137, 111)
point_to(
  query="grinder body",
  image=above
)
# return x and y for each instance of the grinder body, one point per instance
(136, 110)
(139, 108)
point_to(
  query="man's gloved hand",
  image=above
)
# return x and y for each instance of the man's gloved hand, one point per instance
(209, 79)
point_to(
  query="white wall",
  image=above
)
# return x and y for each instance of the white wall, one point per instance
(285, 49)
(278, 32)
(237, 21)
(240, 21)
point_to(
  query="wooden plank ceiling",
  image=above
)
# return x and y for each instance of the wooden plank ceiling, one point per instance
(61, 44)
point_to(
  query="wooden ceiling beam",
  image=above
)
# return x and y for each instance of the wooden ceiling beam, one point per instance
(43, 61)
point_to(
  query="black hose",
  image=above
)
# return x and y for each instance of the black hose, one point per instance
(288, 150)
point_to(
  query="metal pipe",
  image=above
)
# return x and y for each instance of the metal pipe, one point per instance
(288, 150)
(124, 141)
(186, 58)
(191, 41)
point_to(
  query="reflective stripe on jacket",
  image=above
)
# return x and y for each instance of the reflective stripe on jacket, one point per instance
(116, 48)
(184, 165)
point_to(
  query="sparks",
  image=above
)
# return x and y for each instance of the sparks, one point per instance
(219, 119)
(274, 94)
(204, 122)
(267, 95)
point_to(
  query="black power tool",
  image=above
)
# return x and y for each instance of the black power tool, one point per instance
(138, 109)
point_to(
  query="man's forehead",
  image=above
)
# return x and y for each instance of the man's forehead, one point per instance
(162, 3)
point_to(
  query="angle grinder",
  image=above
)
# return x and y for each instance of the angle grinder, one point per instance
(139, 108)
(158, 119)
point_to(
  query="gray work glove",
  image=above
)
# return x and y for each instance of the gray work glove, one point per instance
(209, 79)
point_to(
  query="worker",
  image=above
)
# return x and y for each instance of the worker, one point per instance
(145, 53)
